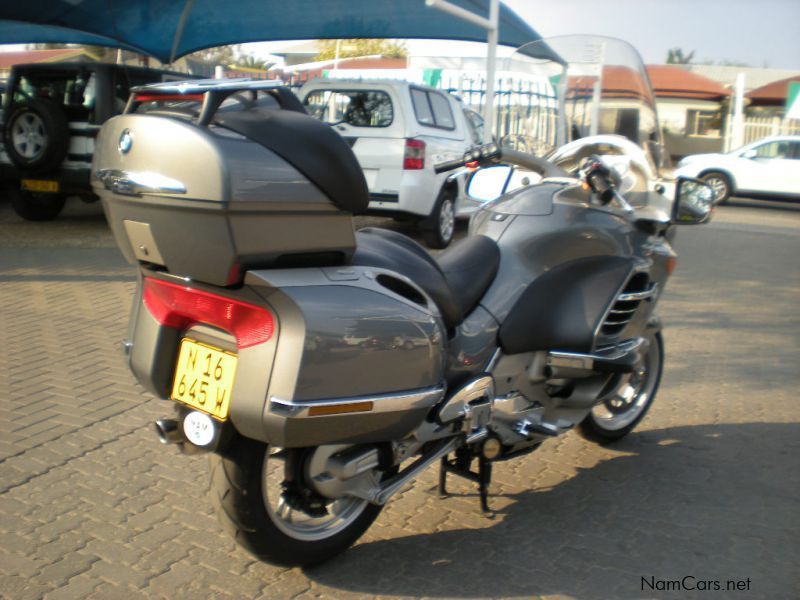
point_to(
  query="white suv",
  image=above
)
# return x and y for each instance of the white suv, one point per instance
(398, 132)
(768, 168)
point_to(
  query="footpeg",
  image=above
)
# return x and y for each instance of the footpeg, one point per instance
(527, 429)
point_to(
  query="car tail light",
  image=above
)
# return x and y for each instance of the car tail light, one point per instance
(179, 307)
(414, 155)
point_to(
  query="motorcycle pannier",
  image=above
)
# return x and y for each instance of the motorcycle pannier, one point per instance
(253, 187)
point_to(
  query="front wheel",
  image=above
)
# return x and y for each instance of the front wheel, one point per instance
(260, 499)
(623, 408)
(721, 184)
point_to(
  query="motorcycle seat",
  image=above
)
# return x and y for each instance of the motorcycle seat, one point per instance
(455, 280)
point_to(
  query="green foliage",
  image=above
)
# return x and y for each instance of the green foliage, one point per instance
(360, 47)
(675, 56)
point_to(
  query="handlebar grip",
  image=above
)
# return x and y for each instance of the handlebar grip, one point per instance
(448, 165)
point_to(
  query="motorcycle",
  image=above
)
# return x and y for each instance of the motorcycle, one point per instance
(323, 369)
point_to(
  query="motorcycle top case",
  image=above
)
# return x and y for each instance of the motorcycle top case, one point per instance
(266, 188)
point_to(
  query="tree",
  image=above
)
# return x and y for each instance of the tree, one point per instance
(360, 47)
(675, 56)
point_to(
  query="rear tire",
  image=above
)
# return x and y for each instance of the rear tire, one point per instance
(35, 206)
(721, 184)
(239, 496)
(606, 422)
(440, 226)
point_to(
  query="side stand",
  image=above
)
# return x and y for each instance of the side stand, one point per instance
(461, 466)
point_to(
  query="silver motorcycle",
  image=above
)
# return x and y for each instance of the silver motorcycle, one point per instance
(324, 368)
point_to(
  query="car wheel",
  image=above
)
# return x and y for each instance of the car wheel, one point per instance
(721, 184)
(34, 206)
(36, 136)
(441, 224)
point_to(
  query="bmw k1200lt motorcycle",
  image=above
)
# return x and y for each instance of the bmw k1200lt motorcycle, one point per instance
(323, 368)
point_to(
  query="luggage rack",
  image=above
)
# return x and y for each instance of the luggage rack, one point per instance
(211, 93)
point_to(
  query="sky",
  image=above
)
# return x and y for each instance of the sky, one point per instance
(760, 33)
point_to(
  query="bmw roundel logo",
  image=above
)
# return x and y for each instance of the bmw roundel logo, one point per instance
(125, 141)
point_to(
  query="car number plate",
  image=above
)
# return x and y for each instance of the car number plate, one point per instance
(204, 378)
(39, 185)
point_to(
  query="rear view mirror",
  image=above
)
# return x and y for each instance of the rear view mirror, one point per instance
(750, 154)
(488, 183)
(694, 201)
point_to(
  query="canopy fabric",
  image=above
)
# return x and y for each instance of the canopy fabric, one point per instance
(169, 29)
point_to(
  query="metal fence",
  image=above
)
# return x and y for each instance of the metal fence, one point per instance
(756, 128)
(524, 110)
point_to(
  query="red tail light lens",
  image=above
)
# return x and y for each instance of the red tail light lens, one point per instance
(169, 97)
(414, 155)
(179, 307)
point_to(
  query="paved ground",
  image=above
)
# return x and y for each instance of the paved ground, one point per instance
(92, 505)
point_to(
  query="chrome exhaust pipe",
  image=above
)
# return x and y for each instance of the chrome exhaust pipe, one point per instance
(168, 431)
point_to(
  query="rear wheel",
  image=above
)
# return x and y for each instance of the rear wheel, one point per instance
(37, 136)
(623, 409)
(440, 227)
(35, 206)
(721, 184)
(261, 499)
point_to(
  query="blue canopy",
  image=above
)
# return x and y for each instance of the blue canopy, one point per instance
(168, 29)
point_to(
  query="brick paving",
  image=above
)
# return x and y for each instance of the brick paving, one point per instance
(91, 505)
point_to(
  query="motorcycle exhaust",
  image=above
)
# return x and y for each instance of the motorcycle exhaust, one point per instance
(168, 431)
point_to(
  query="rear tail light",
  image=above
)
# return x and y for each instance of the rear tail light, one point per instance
(414, 155)
(180, 307)
(169, 97)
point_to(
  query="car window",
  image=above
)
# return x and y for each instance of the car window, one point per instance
(422, 108)
(772, 150)
(360, 108)
(73, 90)
(794, 150)
(475, 125)
(442, 114)
(432, 109)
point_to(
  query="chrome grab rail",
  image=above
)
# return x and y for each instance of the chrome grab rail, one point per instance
(135, 183)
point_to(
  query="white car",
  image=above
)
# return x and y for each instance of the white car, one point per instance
(398, 132)
(768, 168)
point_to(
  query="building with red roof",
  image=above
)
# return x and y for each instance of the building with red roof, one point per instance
(9, 59)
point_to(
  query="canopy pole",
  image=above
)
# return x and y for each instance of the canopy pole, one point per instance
(176, 40)
(491, 26)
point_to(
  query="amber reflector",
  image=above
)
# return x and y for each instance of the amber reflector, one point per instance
(340, 409)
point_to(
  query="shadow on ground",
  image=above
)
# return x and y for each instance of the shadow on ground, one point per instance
(675, 502)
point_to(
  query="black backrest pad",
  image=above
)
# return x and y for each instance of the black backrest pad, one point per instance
(562, 308)
(311, 147)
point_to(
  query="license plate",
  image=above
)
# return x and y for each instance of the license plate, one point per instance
(39, 185)
(204, 378)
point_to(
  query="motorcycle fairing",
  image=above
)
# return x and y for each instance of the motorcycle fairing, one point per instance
(563, 308)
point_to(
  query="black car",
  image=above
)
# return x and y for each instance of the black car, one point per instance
(51, 115)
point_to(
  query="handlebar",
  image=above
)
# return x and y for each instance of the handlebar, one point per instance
(490, 154)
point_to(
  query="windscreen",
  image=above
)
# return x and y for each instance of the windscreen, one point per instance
(578, 86)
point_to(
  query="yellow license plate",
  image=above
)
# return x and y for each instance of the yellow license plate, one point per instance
(39, 185)
(204, 378)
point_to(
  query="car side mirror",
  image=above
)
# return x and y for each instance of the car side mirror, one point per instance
(488, 183)
(694, 202)
(750, 154)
